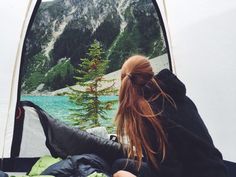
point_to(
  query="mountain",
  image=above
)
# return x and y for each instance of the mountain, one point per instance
(64, 29)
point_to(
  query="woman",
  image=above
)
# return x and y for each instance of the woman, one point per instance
(161, 128)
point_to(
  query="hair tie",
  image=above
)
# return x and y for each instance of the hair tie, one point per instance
(129, 75)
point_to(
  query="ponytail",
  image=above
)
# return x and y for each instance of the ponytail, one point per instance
(135, 117)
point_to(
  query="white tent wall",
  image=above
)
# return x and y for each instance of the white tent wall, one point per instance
(15, 16)
(203, 35)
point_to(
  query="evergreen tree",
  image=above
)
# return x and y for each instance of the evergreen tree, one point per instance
(91, 86)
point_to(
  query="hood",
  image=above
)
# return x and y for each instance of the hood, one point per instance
(171, 84)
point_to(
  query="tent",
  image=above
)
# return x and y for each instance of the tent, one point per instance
(199, 39)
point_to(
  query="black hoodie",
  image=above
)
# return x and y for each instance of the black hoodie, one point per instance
(191, 152)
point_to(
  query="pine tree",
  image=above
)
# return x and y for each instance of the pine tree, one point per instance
(90, 87)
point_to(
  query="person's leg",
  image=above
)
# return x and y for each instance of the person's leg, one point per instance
(130, 166)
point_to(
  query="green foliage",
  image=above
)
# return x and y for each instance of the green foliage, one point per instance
(157, 49)
(107, 32)
(142, 35)
(38, 64)
(35, 72)
(126, 45)
(91, 86)
(60, 75)
(57, 77)
(33, 81)
(72, 43)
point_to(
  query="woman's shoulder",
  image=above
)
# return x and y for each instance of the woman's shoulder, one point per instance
(170, 83)
(164, 73)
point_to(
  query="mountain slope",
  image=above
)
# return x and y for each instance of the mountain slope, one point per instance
(64, 29)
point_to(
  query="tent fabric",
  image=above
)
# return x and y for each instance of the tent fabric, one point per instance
(28, 139)
(33, 138)
(63, 140)
(201, 37)
(18, 14)
(18, 129)
(17, 164)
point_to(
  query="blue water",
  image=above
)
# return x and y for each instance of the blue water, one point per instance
(59, 106)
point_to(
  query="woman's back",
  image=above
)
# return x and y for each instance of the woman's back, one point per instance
(163, 124)
(191, 152)
(185, 113)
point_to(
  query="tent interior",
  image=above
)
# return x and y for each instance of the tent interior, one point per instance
(49, 43)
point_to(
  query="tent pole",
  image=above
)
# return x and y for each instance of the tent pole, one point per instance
(18, 55)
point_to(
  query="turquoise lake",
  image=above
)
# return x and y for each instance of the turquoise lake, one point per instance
(59, 106)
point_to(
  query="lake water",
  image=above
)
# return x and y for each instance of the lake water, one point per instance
(59, 106)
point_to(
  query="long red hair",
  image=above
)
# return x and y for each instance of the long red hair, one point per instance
(134, 110)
